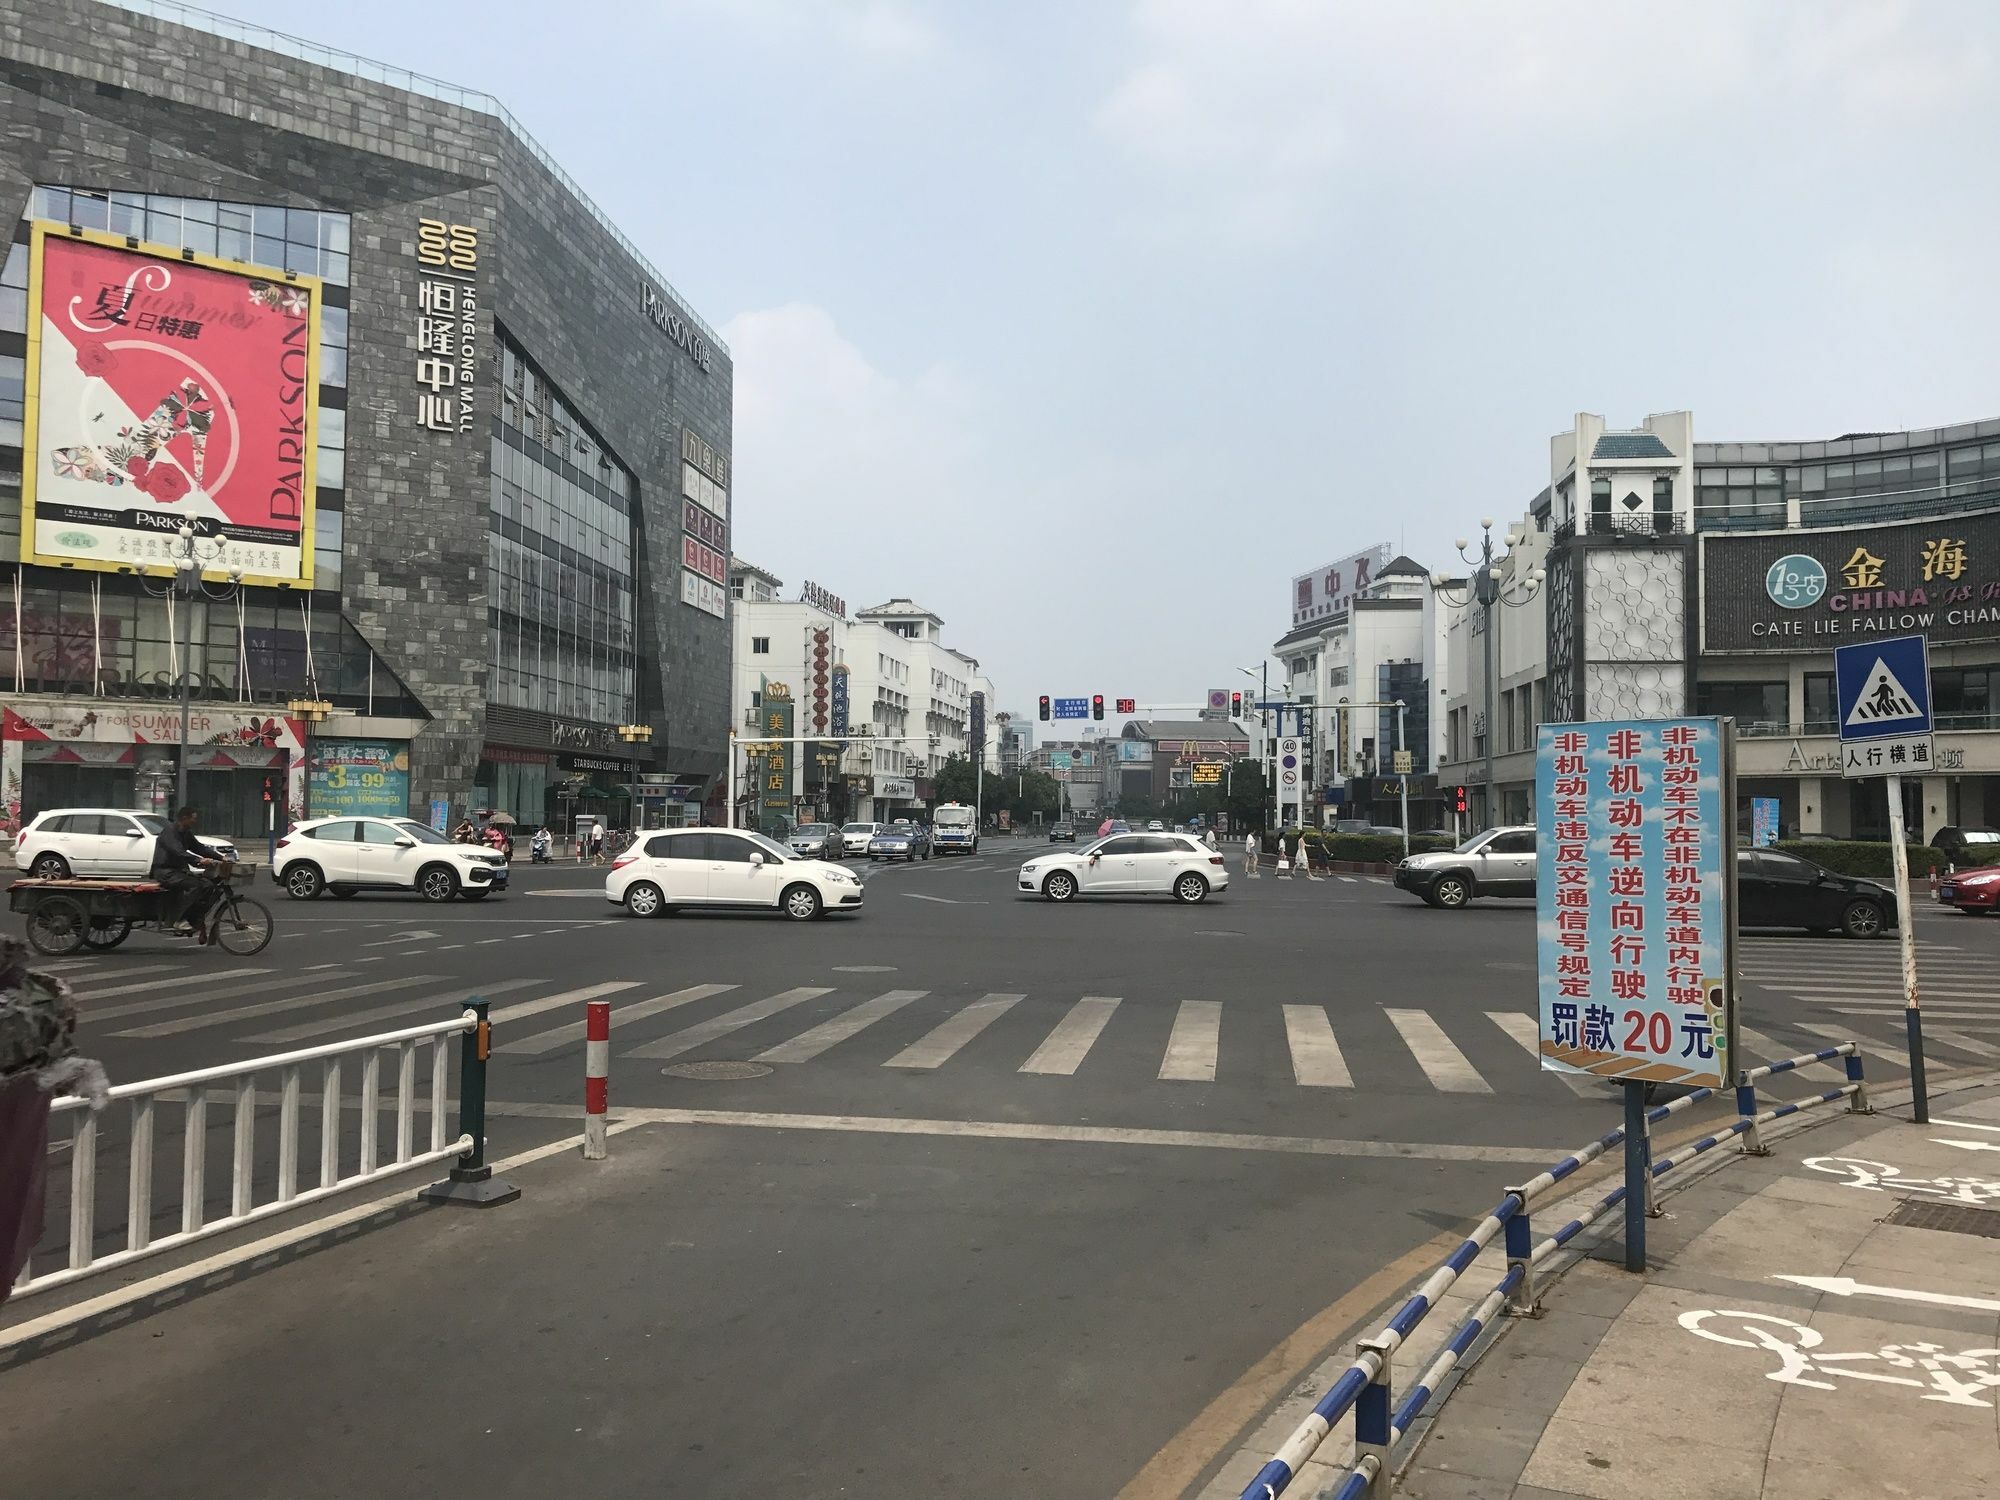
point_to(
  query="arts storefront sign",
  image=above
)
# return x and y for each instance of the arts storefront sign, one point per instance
(167, 390)
(1974, 754)
(1814, 590)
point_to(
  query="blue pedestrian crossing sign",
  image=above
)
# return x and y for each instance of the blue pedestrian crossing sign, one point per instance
(1884, 689)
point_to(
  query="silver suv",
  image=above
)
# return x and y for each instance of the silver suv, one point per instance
(1498, 862)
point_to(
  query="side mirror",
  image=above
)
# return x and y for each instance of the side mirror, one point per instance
(756, 858)
(131, 833)
(406, 842)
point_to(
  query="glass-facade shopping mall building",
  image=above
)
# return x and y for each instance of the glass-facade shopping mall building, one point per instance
(454, 455)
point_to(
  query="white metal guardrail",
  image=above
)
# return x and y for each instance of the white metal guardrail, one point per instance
(250, 1201)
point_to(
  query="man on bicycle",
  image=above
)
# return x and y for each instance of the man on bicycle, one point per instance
(177, 856)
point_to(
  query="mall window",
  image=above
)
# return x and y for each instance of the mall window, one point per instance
(1822, 705)
(1966, 697)
(1739, 496)
(1600, 504)
(1757, 707)
(1663, 503)
(559, 552)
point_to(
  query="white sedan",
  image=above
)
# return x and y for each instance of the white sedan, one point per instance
(1129, 864)
(726, 867)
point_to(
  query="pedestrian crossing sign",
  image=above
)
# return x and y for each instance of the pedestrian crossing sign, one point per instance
(1884, 691)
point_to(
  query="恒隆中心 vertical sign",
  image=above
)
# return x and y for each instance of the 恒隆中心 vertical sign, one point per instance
(1634, 844)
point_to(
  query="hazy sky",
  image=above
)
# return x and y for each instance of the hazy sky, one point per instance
(1089, 324)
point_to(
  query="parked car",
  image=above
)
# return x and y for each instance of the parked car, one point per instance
(1498, 862)
(817, 841)
(1351, 825)
(345, 855)
(854, 837)
(101, 843)
(1127, 864)
(1961, 846)
(1062, 833)
(1972, 891)
(910, 841)
(1775, 889)
(726, 867)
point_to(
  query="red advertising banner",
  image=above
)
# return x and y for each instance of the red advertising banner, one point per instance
(164, 391)
(706, 561)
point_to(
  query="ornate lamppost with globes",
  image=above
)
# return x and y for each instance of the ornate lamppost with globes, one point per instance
(1492, 582)
(189, 553)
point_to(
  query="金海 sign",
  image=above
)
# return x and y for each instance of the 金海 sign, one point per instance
(447, 366)
(1632, 854)
(167, 389)
(1815, 590)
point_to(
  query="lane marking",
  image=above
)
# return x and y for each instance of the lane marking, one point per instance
(1316, 1059)
(455, 999)
(526, 1008)
(1528, 1032)
(152, 986)
(112, 970)
(274, 1007)
(414, 935)
(1064, 1048)
(941, 900)
(810, 1044)
(1847, 1286)
(537, 1043)
(1961, 1041)
(1775, 1051)
(730, 1021)
(1445, 1066)
(227, 992)
(1193, 1043)
(942, 1043)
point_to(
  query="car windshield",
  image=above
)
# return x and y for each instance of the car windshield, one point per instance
(858, 828)
(899, 832)
(811, 830)
(153, 823)
(770, 847)
(1979, 835)
(418, 831)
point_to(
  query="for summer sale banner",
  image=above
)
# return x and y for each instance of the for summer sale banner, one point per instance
(167, 390)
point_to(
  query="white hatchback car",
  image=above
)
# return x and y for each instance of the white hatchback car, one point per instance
(98, 843)
(345, 855)
(726, 867)
(1129, 864)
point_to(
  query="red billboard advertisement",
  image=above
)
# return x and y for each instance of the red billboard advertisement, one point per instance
(163, 391)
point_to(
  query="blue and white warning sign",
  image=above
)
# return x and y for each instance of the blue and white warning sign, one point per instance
(1885, 706)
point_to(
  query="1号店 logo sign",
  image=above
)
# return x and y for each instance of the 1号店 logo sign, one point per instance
(1796, 581)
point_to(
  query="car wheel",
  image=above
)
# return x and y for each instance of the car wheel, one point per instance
(1862, 919)
(1451, 891)
(1060, 886)
(1190, 888)
(800, 903)
(49, 867)
(437, 883)
(303, 881)
(643, 899)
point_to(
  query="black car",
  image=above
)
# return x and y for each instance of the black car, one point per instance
(1062, 833)
(1968, 846)
(1782, 890)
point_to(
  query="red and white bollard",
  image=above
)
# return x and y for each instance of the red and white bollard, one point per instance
(596, 1077)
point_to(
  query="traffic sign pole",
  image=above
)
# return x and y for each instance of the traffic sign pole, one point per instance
(1906, 938)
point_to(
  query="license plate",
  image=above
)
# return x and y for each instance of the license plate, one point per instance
(1946, 892)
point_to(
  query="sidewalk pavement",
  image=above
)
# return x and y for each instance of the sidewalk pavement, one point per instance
(1817, 1324)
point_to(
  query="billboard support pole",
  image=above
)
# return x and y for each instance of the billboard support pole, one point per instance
(1906, 939)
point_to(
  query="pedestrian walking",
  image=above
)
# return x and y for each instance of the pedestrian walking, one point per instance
(1250, 855)
(597, 843)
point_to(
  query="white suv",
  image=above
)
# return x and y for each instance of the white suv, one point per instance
(96, 842)
(345, 855)
(726, 867)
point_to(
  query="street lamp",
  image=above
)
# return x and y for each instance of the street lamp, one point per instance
(635, 735)
(1487, 588)
(189, 552)
(312, 710)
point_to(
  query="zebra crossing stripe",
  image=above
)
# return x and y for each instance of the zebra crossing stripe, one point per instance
(539, 1042)
(352, 1019)
(110, 970)
(1316, 1059)
(1193, 1043)
(1773, 1050)
(201, 997)
(1528, 1032)
(809, 1044)
(1445, 1066)
(272, 1007)
(942, 1043)
(151, 986)
(1063, 1050)
(1961, 1041)
(1870, 1049)
(526, 1008)
(676, 1043)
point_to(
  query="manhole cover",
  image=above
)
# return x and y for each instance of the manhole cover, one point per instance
(864, 968)
(717, 1072)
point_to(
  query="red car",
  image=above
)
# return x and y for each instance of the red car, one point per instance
(1972, 891)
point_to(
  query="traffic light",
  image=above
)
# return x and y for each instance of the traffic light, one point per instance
(1045, 708)
(1097, 705)
(1460, 804)
(1235, 705)
(1128, 705)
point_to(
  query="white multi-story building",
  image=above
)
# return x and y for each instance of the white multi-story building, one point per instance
(909, 696)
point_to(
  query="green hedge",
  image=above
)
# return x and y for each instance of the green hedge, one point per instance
(1855, 857)
(1370, 848)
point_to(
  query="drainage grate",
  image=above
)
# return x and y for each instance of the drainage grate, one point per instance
(718, 1072)
(1950, 1217)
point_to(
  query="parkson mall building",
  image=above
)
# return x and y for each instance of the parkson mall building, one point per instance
(454, 455)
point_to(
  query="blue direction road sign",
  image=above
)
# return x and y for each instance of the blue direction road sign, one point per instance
(1884, 689)
(1072, 708)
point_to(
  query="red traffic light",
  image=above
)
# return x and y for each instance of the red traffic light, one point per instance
(1045, 708)
(1235, 705)
(1097, 705)
(1461, 806)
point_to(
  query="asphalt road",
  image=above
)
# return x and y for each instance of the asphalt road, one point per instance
(974, 1195)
